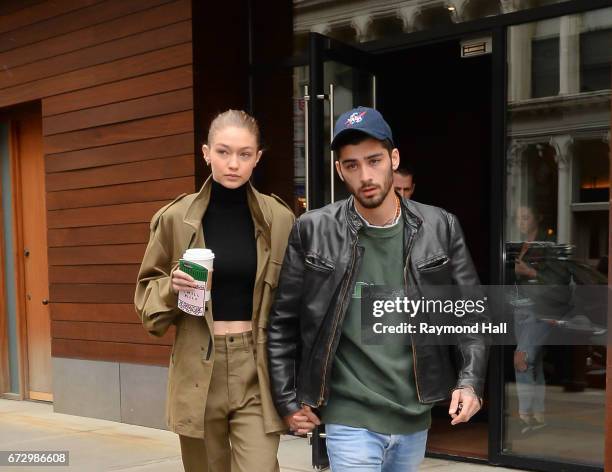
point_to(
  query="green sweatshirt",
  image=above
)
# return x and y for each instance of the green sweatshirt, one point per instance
(373, 386)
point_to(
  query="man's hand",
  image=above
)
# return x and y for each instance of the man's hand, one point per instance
(302, 421)
(464, 405)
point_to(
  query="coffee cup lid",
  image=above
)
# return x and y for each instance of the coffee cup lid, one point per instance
(198, 254)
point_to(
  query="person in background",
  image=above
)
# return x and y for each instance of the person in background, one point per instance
(541, 292)
(403, 181)
(219, 400)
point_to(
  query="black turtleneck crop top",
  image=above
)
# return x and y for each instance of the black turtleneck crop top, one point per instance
(230, 234)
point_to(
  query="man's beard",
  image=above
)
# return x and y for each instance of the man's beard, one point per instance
(376, 201)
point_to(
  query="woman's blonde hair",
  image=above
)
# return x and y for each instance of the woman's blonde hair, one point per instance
(237, 118)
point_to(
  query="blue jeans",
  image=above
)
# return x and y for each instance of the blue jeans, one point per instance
(531, 334)
(531, 389)
(359, 450)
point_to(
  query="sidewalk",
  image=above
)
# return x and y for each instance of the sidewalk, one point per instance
(100, 445)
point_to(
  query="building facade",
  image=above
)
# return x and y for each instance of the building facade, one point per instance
(500, 107)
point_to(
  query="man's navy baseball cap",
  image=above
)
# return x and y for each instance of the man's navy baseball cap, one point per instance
(365, 120)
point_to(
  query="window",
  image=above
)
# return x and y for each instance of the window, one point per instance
(595, 60)
(545, 67)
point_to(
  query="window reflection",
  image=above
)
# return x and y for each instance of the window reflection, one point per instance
(558, 185)
(300, 79)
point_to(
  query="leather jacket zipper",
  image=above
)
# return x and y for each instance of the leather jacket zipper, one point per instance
(336, 319)
(414, 356)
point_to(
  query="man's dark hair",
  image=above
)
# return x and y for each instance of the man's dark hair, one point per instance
(355, 137)
(405, 170)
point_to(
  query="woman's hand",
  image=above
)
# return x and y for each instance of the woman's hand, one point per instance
(182, 281)
(302, 421)
(520, 361)
(525, 270)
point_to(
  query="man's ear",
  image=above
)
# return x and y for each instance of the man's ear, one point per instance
(339, 170)
(395, 159)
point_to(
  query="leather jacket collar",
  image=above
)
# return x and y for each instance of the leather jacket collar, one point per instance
(356, 223)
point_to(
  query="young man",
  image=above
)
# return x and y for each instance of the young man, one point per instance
(374, 399)
(403, 182)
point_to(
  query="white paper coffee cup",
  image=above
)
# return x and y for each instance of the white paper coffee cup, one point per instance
(204, 257)
(193, 301)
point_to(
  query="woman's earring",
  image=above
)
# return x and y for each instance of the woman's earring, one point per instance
(207, 162)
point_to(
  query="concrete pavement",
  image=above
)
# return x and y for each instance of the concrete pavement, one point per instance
(100, 445)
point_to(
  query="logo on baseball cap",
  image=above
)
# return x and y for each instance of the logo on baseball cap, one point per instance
(365, 120)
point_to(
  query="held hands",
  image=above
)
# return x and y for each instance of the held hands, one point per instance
(302, 421)
(464, 404)
(182, 281)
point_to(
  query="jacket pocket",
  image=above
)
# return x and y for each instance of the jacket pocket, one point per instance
(272, 273)
(433, 264)
(315, 262)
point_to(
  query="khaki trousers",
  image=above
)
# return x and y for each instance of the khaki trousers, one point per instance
(234, 437)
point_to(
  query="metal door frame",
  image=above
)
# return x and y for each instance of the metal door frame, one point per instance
(323, 49)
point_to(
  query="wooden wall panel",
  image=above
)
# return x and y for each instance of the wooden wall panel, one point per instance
(91, 293)
(109, 351)
(103, 215)
(150, 84)
(94, 274)
(40, 12)
(156, 190)
(129, 67)
(96, 235)
(181, 122)
(77, 41)
(102, 313)
(167, 36)
(156, 169)
(93, 255)
(154, 148)
(114, 332)
(115, 84)
(127, 110)
(72, 21)
(11, 6)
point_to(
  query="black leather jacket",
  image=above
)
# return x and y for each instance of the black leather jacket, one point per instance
(314, 290)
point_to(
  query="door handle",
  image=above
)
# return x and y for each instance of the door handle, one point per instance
(45, 301)
(26, 252)
(374, 92)
(332, 170)
(306, 150)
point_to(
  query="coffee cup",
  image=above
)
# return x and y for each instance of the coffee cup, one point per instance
(197, 262)
(203, 257)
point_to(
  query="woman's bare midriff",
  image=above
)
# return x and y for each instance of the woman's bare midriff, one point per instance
(233, 327)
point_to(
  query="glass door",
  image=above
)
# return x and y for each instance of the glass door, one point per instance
(340, 77)
(556, 239)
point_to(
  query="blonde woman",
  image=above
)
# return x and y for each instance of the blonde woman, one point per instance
(219, 400)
